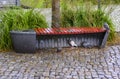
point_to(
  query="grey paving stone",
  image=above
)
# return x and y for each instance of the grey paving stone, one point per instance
(46, 74)
(69, 64)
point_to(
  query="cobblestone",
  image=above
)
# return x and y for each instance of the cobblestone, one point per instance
(75, 63)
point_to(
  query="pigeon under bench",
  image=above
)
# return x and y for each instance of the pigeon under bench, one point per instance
(87, 37)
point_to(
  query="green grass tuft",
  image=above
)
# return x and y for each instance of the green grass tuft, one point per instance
(84, 16)
(18, 20)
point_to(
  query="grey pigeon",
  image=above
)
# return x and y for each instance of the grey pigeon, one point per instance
(106, 26)
(59, 49)
(72, 43)
(86, 44)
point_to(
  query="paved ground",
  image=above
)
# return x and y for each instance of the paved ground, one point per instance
(69, 64)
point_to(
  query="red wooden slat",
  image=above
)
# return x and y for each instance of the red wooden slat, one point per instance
(71, 30)
(36, 30)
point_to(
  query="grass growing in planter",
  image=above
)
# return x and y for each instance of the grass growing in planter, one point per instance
(83, 16)
(18, 20)
(37, 3)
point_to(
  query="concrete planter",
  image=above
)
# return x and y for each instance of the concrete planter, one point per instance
(24, 41)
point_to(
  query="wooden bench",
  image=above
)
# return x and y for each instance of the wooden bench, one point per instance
(57, 37)
(42, 38)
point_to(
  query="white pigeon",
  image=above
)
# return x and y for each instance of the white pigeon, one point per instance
(72, 43)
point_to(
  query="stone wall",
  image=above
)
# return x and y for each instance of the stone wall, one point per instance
(115, 16)
(47, 12)
(4, 3)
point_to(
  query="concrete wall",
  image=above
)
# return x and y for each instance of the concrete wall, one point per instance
(115, 16)
(47, 12)
(9, 3)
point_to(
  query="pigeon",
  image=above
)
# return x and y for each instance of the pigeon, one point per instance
(106, 26)
(59, 49)
(72, 43)
(86, 44)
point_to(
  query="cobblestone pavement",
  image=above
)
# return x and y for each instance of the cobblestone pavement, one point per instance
(69, 64)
